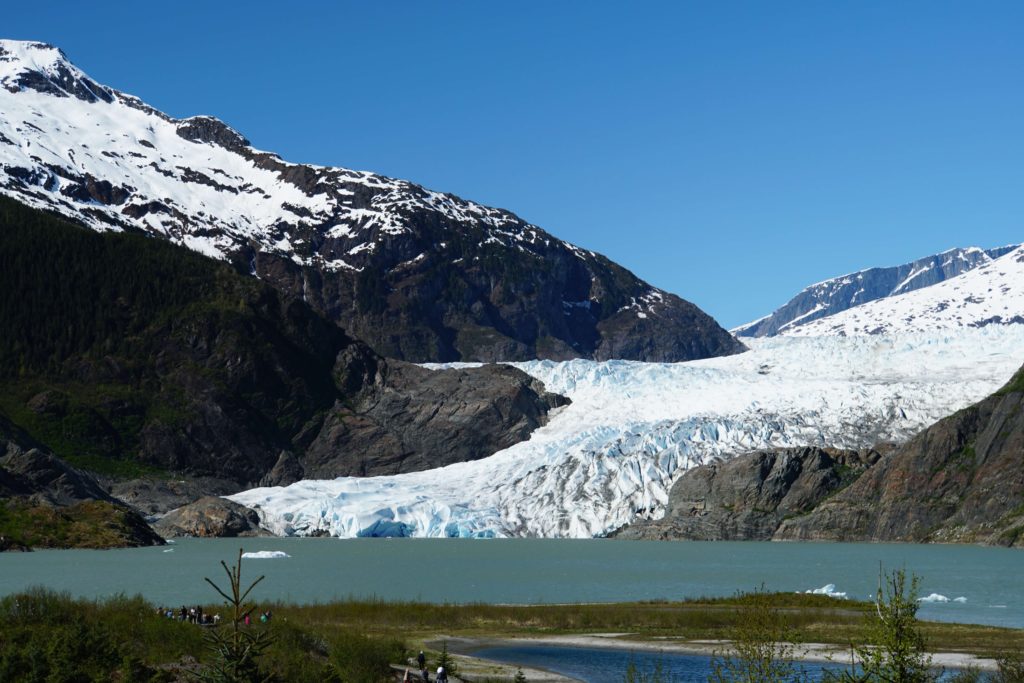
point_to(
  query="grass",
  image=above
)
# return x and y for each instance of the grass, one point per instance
(354, 640)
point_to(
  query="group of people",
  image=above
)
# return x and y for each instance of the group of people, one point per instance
(421, 660)
(195, 615)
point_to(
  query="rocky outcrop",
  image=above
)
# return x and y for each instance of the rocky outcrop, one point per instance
(959, 481)
(30, 471)
(156, 496)
(747, 497)
(47, 503)
(211, 516)
(417, 419)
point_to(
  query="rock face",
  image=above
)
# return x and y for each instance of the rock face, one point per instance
(211, 516)
(842, 293)
(416, 419)
(419, 275)
(961, 480)
(156, 496)
(161, 357)
(747, 497)
(29, 470)
(45, 502)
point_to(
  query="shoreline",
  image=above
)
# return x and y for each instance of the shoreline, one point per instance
(804, 652)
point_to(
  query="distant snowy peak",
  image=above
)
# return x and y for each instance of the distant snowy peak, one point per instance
(990, 294)
(839, 294)
(420, 275)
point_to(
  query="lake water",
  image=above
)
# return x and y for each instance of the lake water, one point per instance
(990, 580)
(609, 665)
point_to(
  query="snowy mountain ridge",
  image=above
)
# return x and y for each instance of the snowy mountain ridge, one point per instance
(633, 428)
(990, 294)
(419, 275)
(835, 295)
(197, 170)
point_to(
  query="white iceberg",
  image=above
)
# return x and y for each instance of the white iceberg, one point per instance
(829, 590)
(265, 555)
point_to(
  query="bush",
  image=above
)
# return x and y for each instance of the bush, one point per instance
(357, 658)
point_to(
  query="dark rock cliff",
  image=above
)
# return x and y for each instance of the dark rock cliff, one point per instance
(961, 480)
(747, 497)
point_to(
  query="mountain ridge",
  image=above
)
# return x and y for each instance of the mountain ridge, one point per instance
(835, 295)
(419, 275)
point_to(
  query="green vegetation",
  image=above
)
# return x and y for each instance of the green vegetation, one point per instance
(89, 524)
(1014, 386)
(117, 347)
(762, 642)
(892, 648)
(356, 640)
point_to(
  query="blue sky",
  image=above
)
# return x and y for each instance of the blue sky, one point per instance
(731, 152)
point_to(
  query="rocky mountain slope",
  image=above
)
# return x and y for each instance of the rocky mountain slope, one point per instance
(958, 481)
(419, 275)
(839, 294)
(961, 480)
(991, 294)
(129, 355)
(747, 497)
(44, 502)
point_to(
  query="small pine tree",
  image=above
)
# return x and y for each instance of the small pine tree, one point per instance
(237, 651)
(444, 659)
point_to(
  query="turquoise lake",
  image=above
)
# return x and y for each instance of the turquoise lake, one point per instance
(990, 581)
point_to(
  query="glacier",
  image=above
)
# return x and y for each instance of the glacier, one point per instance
(633, 428)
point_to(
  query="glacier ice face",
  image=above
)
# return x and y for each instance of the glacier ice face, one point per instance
(633, 428)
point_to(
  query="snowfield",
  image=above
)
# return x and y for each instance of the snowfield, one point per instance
(633, 428)
(991, 294)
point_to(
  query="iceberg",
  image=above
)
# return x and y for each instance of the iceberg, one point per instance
(829, 590)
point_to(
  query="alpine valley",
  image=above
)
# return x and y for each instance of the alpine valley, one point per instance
(333, 352)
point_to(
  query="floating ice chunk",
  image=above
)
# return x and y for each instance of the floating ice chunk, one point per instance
(960, 599)
(265, 555)
(829, 590)
(934, 597)
(169, 550)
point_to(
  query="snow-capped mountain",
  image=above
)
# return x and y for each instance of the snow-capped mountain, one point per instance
(633, 428)
(847, 291)
(420, 275)
(991, 294)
